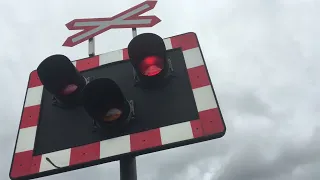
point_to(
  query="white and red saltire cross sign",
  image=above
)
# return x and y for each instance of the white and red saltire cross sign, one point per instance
(127, 19)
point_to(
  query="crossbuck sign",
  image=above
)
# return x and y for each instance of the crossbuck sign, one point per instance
(127, 19)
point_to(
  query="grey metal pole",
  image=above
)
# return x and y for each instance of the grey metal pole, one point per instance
(134, 32)
(128, 166)
(128, 169)
(91, 47)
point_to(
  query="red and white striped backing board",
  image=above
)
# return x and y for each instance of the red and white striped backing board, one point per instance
(210, 121)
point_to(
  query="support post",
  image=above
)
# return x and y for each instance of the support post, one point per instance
(91, 47)
(134, 32)
(128, 167)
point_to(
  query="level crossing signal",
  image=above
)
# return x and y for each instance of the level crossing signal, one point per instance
(153, 95)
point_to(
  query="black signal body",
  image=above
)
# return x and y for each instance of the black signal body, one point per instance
(103, 100)
(152, 108)
(147, 53)
(61, 78)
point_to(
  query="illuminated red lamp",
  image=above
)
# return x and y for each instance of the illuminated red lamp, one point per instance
(147, 53)
(151, 66)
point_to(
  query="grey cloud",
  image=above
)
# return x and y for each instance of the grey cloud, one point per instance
(251, 162)
(168, 165)
(246, 102)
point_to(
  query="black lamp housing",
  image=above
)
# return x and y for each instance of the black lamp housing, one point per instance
(102, 95)
(147, 52)
(61, 78)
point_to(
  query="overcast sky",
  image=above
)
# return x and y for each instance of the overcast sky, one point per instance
(263, 59)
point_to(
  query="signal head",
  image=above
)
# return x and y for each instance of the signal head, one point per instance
(147, 53)
(105, 103)
(61, 78)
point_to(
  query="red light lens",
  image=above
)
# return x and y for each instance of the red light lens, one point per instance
(112, 115)
(69, 89)
(151, 66)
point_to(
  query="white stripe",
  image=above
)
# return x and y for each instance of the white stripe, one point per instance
(34, 96)
(193, 57)
(110, 57)
(74, 63)
(26, 139)
(167, 43)
(176, 133)
(115, 146)
(204, 98)
(59, 158)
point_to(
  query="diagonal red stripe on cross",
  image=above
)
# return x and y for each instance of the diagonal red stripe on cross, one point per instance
(126, 19)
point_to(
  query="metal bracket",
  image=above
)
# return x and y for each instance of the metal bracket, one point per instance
(57, 103)
(171, 71)
(135, 78)
(132, 114)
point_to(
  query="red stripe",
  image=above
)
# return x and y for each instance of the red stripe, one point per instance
(196, 128)
(34, 79)
(30, 116)
(35, 164)
(146, 139)
(85, 153)
(88, 63)
(211, 121)
(24, 164)
(125, 54)
(198, 77)
(185, 41)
